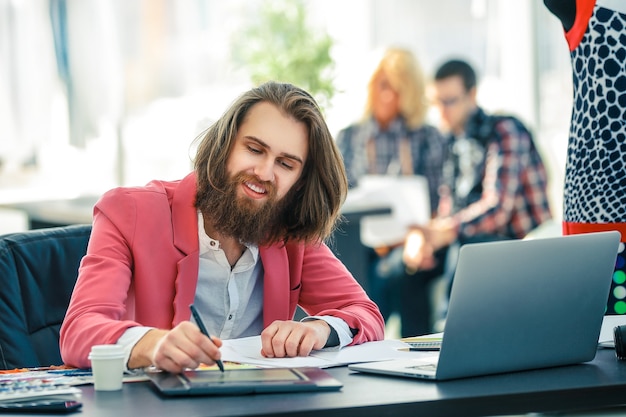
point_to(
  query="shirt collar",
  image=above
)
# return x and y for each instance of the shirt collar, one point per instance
(207, 244)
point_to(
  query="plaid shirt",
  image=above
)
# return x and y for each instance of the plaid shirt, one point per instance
(399, 150)
(495, 180)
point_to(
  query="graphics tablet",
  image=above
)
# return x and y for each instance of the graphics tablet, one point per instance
(243, 381)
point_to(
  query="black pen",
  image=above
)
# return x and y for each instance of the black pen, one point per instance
(196, 317)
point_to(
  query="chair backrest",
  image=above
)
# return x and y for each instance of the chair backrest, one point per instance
(38, 270)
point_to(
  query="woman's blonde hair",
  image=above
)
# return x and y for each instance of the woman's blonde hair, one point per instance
(406, 77)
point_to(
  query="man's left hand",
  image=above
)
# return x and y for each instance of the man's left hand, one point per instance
(291, 338)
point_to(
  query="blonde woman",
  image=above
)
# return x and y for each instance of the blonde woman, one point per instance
(393, 139)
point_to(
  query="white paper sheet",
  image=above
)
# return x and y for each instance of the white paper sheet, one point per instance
(248, 350)
(408, 198)
(606, 332)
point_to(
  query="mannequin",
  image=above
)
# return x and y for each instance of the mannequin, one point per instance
(595, 175)
(565, 10)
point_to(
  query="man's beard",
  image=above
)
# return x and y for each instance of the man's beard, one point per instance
(242, 217)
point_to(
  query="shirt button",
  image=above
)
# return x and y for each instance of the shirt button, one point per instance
(230, 317)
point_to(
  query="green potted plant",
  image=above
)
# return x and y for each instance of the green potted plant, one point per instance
(279, 44)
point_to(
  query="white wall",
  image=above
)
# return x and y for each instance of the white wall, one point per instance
(179, 51)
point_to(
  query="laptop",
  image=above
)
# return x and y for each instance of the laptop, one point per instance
(519, 305)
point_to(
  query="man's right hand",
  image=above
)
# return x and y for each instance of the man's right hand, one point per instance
(183, 347)
(418, 252)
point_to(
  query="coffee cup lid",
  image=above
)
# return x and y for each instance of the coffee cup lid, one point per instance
(106, 352)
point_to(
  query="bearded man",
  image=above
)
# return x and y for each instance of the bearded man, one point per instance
(241, 238)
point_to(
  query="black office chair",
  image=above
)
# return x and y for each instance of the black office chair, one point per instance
(38, 270)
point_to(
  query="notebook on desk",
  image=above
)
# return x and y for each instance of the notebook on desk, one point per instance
(519, 305)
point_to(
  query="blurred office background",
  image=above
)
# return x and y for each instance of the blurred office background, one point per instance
(100, 93)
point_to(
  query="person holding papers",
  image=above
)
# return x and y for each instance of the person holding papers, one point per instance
(393, 139)
(240, 238)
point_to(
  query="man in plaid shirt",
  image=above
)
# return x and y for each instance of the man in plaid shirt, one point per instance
(495, 183)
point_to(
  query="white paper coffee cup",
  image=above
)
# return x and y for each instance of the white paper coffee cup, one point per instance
(107, 366)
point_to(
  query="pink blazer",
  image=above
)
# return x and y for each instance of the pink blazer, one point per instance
(141, 269)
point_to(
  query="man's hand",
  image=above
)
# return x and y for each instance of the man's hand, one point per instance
(417, 253)
(175, 350)
(441, 232)
(291, 338)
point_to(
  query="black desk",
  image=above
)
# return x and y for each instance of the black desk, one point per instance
(63, 212)
(600, 383)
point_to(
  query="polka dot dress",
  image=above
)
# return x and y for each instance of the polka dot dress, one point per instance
(595, 177)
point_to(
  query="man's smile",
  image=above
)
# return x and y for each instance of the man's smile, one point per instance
(254, 189)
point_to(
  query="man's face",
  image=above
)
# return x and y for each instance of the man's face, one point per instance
(265, 162)
(269, 152)
(455, 104)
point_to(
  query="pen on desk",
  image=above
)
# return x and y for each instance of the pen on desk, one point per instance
(196, 317)
(419, 349)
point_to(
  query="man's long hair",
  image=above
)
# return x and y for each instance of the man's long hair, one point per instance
(315, 199)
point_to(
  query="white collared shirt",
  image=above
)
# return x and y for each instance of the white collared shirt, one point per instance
(230, 301)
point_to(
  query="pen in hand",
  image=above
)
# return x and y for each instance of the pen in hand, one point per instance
(196, 317)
